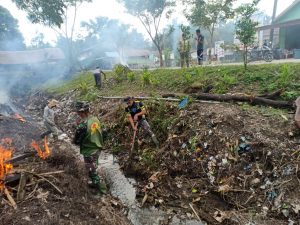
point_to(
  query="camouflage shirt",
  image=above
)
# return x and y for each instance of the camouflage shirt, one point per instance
(89, 136)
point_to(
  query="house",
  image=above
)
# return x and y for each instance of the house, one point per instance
(286, 28)
(31, 57)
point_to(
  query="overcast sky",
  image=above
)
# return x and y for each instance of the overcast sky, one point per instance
(111, 9)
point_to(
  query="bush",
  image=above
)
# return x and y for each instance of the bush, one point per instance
(146, 78)
(131, 77)
(120, 72)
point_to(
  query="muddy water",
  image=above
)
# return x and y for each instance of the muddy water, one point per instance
(123, 189)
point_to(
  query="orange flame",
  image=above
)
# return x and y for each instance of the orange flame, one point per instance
(5, 168)
(19, 117)
(41, 153)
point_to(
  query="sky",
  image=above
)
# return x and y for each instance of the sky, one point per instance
(113, 10)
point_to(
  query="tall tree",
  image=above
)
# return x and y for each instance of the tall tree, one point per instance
(39, 41)
(208, 14)
(150, 13)
(10, 36)
(246, 27)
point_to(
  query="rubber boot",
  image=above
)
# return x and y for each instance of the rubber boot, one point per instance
(154, 139)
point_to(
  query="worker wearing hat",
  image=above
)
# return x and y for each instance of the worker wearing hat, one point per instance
(88, 136)
(136, 112)
(49, 119)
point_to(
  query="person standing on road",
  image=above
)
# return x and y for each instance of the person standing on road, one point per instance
(88, 136)
(49, 119)
(184, 51)
(136, 112)
(200, 46)
(97, 76)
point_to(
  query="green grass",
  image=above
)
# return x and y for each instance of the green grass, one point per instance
(224, 79)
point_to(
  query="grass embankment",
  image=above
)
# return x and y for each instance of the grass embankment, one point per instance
(257, 79)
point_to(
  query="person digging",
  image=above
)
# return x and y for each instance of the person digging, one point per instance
(88, 136)
(136, 112)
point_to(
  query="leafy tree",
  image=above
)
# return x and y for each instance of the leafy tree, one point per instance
(208, 14)
(246, 27)
(47, 12)
(10, 36)
(150, 13)
(39, 42)
(112, 34)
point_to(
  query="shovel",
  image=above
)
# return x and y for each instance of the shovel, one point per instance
(133, 140)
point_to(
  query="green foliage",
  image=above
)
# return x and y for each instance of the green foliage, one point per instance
(207, 14)
(285, 76)
(150, 14)
(10, 36)
(188, 78)
(146, 78)
(131, 77)
(83, 88)
(246, 27)
(120, 72)
(148, 158)
(50, 13)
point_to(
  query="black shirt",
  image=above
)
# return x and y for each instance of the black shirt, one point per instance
(136, 108)
(200, 42)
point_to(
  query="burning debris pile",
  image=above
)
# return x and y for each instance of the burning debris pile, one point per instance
(44, 184)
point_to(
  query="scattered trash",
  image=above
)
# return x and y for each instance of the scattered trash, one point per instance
(183, 103)
(288, 170)
(272, 195)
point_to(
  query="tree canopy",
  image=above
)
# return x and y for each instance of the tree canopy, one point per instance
(208, 14)
(47, 12)
(10, 36)
(150, 13)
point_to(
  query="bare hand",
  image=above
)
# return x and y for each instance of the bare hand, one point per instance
(135, 117)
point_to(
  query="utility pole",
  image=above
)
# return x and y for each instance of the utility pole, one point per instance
(273, 20)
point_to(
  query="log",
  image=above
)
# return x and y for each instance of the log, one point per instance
(245, 98)
(20, 157)
(273, 95)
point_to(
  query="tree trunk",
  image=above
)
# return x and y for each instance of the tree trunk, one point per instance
(161, 60)
(245, 98)
(245, 57)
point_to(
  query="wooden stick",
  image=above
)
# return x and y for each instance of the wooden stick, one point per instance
(159, 99)
(45, 179)
(10, 199)
(21, 188)
(51, 173)
(196, 214)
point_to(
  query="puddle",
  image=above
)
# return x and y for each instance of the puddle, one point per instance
(123, 189)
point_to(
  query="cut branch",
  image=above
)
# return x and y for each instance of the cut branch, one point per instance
(245, 98)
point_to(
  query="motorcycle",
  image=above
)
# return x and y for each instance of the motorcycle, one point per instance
(257, 54)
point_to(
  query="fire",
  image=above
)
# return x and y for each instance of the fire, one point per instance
(43, 154)
(19, 117)
(5, 168)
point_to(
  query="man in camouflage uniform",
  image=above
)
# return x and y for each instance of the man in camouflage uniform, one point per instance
(89, 137)
(184, 51)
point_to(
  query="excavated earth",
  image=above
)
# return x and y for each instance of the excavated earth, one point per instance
(226, 163)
